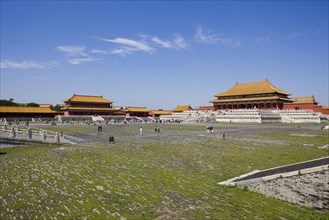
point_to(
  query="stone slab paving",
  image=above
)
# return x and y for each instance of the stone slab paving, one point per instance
(171, 175)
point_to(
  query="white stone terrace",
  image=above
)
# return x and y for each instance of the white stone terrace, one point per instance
(247, 116)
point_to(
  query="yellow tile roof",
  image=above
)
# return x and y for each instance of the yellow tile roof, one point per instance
(303, 100)
(20, 109)
(88, 98)
(88, 109)
(271, 98)
(159, 112)
(252, 88)
(181, 108)
(137, 109)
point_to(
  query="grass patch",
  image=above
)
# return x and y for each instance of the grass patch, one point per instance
(316, 139)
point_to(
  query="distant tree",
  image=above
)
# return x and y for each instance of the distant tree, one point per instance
(31, 104)
(56, 108)
(10, 102)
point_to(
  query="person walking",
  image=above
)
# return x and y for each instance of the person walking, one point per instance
(141, 131)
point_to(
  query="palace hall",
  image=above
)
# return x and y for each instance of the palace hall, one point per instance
(87, 105)
(262, 95)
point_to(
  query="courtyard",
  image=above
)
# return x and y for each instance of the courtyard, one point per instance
(171, 174)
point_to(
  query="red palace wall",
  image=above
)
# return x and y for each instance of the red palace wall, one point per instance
(299, 106)
(320, 109)
(307, 106)
(206, 108)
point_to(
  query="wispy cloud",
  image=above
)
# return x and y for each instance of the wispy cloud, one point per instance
(81, 60)
(208, 37)
(180, 42)
(122, 51)
(78, 54)
(177, 43)
(263, 40)
(162, 43)
(72, 50)
(9, 64)
(97, 51)
(128, 46)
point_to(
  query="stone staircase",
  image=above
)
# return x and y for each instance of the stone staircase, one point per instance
(239, 116)
(300, 116)
(190, 116)
(269, 116)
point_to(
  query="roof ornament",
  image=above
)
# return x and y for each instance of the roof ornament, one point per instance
(237, 83)
(266, 79)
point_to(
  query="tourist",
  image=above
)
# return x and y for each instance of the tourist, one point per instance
(29, 133)
(156, 129)
(141, 131)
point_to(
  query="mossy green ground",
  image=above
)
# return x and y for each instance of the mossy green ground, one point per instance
(170, 175)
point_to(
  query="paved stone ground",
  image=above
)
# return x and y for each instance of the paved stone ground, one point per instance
(248, 133)
(170, 175)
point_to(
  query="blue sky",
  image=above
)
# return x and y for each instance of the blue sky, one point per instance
(161, 54)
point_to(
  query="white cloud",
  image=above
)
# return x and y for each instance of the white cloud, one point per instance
(8, 64)
(177, 42)
(122, 51)
(180, 42)
(96, 51)
(72, 50)
(129, 45)
(162, 43)
(81, 60)
(79, 55)
(208, 37)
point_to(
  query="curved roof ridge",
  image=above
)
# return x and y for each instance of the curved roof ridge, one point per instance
(88, 98)
(276, 89)
(306, 99)
(262, 87)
